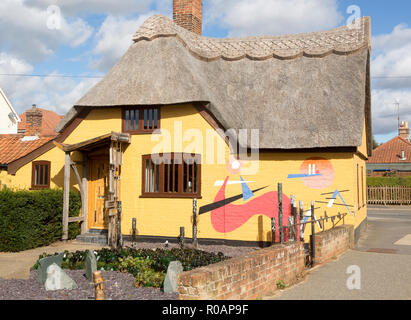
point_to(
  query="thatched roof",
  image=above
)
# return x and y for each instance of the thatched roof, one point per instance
(301, 91)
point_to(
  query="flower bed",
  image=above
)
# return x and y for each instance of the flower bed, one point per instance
(149, 267)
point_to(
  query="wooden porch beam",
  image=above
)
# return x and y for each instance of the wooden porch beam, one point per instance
(82, 195)
(66, 196)
(76, 219)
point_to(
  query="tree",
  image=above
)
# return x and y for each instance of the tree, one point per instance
(375, 144)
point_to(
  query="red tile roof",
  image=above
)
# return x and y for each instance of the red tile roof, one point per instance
(12, 147)
(390, 152)
(49, 121)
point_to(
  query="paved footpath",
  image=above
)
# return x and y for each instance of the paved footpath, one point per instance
(383, 276)
(17, 265)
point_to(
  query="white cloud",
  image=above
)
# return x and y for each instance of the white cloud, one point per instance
(113, 40)
(53, 93)
(391, 61)
(392, 58)
(28, 36)
(271, 17)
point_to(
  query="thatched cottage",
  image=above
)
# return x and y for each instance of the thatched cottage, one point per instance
(157, 131)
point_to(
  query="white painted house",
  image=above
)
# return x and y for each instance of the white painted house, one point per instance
(9, 118)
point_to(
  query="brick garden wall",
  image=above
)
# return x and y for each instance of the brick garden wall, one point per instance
(332, 243)
(245, 278)
(256, 274)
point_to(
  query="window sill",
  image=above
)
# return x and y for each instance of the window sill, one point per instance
(146, 132)
(170, 196)
(40, 188)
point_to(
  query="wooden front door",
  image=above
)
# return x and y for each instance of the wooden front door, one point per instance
(98, 193)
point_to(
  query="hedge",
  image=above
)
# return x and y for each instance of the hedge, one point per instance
(388, 181)
(31, 219)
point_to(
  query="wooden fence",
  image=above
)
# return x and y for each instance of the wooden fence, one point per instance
(399, 195)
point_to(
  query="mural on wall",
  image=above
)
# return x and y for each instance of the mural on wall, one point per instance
(315, 173)
(227, 217)
(331, 201)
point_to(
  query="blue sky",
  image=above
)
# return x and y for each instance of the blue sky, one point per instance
(94, 34)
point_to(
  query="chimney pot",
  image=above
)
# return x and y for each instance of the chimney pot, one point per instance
(404, 131)
(189, 14)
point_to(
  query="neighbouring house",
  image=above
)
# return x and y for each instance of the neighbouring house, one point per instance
(159, 130)
(33, 136)
(392, 157)
(9, 119)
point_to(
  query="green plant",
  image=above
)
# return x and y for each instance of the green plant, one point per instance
(31, 219)
(149, 267)
(280, 284)
(388, 181)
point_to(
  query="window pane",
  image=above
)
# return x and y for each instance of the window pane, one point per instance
(150, 122)
(157, 188)
(176, 167)
(136, 118)
(185, 176)
(41, 175)
(36, 175)
(147, 175)
(166, 177)
(145, 118)
(191, 178)
(127, 120)
(155, 118)
(172, 177)
(46, 174)
(152, 178)
(131, 119)
(195, 178)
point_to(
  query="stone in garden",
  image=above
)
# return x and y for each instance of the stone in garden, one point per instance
(171, 280)
(57, 279)
(91, 265)
(45, 263)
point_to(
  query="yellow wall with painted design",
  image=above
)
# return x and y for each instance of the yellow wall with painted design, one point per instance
(163, 217)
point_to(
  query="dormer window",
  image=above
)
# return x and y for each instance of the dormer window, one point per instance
(403, 158)
(140, 120)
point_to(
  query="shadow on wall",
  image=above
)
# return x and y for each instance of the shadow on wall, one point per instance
(263, 241)
(58, 180)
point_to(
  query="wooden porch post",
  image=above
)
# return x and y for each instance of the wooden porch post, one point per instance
(84, 226)
(66, 196)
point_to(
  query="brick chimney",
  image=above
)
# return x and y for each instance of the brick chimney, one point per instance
(34, 119)
(404, 131)
(188, 14)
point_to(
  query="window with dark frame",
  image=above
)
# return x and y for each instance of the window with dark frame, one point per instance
(140, 120)
(40, 175)
(172, 175)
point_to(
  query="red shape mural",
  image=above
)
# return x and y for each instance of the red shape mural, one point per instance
(230, 217)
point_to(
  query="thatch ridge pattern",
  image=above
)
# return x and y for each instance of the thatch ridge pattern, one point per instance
(340, 41)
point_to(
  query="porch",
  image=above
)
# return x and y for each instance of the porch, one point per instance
(99, 186)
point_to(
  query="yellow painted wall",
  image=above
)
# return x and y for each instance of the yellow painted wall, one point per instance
(163, 217)
(22, 178)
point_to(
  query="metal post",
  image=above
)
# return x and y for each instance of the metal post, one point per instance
(134, 226)
(119, 235)
(195, 241)
(294, 214)
(312, 234)
(181, 238)
(273, 230)
(280, 211)
(301, 220)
